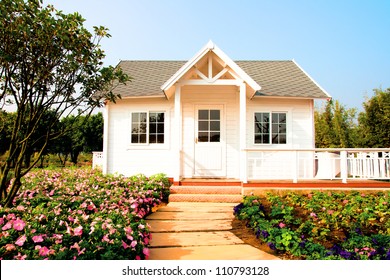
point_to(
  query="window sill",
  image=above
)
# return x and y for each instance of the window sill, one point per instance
(148, 147)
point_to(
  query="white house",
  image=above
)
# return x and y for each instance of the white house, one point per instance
(212, 117)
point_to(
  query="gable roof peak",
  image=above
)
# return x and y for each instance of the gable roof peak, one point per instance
(210, 46)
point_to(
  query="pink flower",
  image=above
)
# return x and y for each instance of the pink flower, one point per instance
(281, 225)
(78, 231)
(128, 230)
(1, 221)
(81, 252)
(133, 244)
(146, 252)
(130, 237)
(134, 205)
(7, 226)
(146, 241)
(20, 208)
(141, 226)
(330, 212)
(124, 244)
(11, 216)
(20, 257)
(91, 207)
(10, 247)
(20, 241)
(106, 239)
(19, 225)
(345, 201)
(137, 258)
(313, 215)
(44, 251)
(37, 238)
(75, 246)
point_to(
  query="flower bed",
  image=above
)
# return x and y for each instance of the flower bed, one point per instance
(321, 225)
(80, 214)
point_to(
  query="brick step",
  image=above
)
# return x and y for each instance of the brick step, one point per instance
(231, 198)
(206, 190)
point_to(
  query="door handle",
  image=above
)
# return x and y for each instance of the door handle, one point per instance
(196, 140)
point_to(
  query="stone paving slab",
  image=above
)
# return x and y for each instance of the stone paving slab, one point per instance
(189, 225)
(183, 239)
(191, 231)
(203, 204)
(160, 215)
(223, 252)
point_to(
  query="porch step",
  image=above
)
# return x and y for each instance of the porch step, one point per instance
(206, 190)
(230, 198)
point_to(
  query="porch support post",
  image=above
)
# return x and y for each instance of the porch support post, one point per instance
(105, 138)
(343, 166)
(243, 153)
(177, 135)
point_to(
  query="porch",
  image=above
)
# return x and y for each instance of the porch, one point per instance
(303, 168)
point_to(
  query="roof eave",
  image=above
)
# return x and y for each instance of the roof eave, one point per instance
(321, 88)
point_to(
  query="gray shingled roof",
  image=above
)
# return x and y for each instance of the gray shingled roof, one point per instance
(276, 78)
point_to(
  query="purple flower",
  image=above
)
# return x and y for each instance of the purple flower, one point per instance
(388, 255)
(264, 233)
(257, 233)
(359, 231)
(271, 246)
(302, 244)
(237, 209)
(345, 254)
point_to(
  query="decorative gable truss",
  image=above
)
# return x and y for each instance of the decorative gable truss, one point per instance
(210, 66)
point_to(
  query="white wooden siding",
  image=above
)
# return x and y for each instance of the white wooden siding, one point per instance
(300, 135)
(130, 159)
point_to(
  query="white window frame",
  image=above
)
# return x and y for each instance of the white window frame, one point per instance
(148, 144)
(270, 128)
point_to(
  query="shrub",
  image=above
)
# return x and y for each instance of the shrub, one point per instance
(321, 225)
(80, 214)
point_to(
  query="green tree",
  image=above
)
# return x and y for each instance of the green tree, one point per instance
(374, 122)
(93, 133)
(335, 126)
(45, 55)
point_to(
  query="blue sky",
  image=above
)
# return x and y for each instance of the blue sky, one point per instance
(344, 45)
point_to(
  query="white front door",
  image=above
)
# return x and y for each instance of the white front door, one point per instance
(210, 144)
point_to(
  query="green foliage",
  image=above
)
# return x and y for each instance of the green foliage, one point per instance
(374, 122)
(69, 214)
(321, 225)
(50, 65)
(335, 126)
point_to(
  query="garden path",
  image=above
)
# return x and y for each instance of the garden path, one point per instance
(198, 231)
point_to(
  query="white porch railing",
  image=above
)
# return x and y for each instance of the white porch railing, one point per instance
(97, 160)
(301, 164)
(306, 164)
